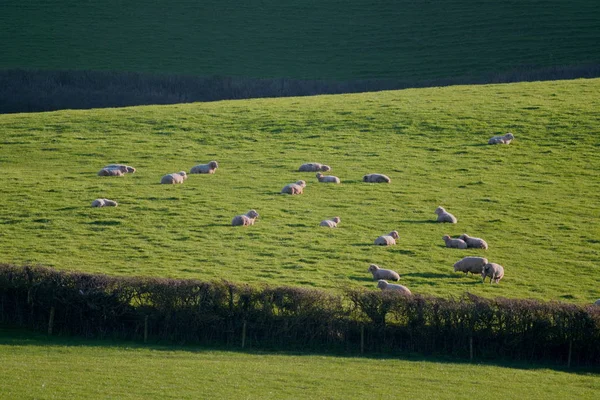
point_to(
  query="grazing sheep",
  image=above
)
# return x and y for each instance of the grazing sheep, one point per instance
(476, 243)
(454, 243)
(331, 223)
(504, 139)
(294, 188)
(387, 240)
(314, 167)
(379, 273)
(494, 271)
(205, 168)
(445, 216)
(177, 177)
(246, 219)
(383, 285)
(327, 178)
(104, 203)
(110, 172)
(473, 265)
(126, 169)
(376, 178)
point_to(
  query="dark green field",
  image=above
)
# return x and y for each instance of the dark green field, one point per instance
(325, 39)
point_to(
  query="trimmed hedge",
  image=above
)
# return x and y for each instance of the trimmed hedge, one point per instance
(190, 311)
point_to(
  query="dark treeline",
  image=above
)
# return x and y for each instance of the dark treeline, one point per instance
(33, 90)
(291, 318)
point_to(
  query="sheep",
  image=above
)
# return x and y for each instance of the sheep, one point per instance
(205, 168)
(383, 285)
(473, 265)
(597, 302)
(504, 139)
(331, 223)
(246, 219)
(476, 243)
(376, 178)
(110, 172)
(177, 177)
(314, 167)
(454, 243)
(126, 169)
(387, 240)
(379, 273)
(104, 203)
(445, 216)
(327, 178)
(294, 188)
(494, 271)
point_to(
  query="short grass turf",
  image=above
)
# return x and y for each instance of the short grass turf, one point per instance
(34, 367)
(536, 201)
(325, 39)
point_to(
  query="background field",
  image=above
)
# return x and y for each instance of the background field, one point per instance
(36, 367)
(326, 39)
(536, 201)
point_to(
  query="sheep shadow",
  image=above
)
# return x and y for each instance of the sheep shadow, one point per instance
(365, 245)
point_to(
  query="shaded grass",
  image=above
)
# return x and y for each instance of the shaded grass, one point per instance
(535, 201)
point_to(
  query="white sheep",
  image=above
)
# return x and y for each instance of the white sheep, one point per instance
(177, 177)
(294, 188)
(126, 169)
(331, 223)
(314, 167)
(504, 139)
(110, 172)
(454, 243)
(445, 216)
(205, 168)
(476, 243)
(376, 178)
(104, 203)
(494, 271)
(379, 273)
(327, 178)
(383, 285)
(245, 219)
(387, 240)
(473, 265)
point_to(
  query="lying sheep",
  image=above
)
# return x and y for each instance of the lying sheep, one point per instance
(126, 169)
(104, 203)
(387, 240)
(294, 188)
(376, 178)
(331, 223)
(314, 167)
(504, 139)
(445, 216)
(383, 285)
(327, 178)
(205, 168)
(110, 172)
(246, 219)
(494, 271)
(177, 177)
(379, 273)
(473, 265)
(476, 243)
(454, 243)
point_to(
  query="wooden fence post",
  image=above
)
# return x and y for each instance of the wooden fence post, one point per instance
(51, 320)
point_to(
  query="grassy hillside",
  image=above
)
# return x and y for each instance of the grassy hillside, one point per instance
(325, 39)
(35, 367)
(536, 202)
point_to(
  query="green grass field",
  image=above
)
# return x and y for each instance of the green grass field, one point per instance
(41, 368)
(536, 202)
(326, 39)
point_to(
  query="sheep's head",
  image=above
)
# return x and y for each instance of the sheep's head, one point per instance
(440, 210)
(373, 267)
(252, 214)
(446, 238)
(381, 284)
(464, 236)
(130, 170)
(301, 183)
(337, 220)
(394, 234)
(213, 165)
(319, 175)
(509, 136)
(366, 178)
(182, 173)
(325, 168)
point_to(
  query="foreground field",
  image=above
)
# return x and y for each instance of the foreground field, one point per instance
(41, 368)
(328, 39)
(536, 201)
